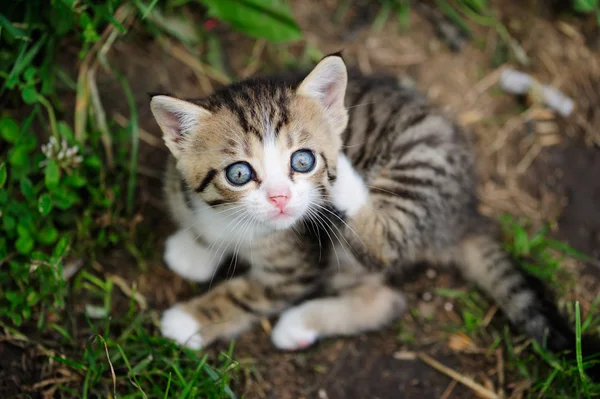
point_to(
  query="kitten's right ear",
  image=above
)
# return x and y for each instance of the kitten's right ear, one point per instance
(327, 84)
(177, 119)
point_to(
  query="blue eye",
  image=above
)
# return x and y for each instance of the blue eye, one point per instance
(303, 161)
(239, 173)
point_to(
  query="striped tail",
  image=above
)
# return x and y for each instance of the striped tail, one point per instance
(523, 298)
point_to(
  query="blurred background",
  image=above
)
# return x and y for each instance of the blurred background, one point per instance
(83, 223)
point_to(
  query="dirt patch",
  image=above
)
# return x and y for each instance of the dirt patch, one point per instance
(358, 367)
(579, 223)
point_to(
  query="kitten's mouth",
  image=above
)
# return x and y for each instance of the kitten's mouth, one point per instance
(282, 215)
(285, 217)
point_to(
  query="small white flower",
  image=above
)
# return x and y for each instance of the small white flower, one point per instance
(66, 157)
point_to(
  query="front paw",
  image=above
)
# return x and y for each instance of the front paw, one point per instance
(349, 192)
(187, 258)
(181, 327)
(291, 332)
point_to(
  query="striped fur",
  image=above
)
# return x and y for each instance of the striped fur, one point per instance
(407, 195)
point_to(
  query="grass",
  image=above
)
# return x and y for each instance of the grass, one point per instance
(69, 193)
(545, 374)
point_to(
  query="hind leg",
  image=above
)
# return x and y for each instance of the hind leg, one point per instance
(358, 303)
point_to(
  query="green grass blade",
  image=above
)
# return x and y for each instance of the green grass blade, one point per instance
(135, 134)
(10, 28)
(578, 349)
(168, 387)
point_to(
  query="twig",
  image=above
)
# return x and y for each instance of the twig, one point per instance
(93, 89)
(500, 367)
(449, 390)
(52, 381)
(112, 370)
(100, 116)
(81, 99)
(483, 85)
(257, 51)
(194, 63)
(7, 258)
(146, 137)
(489, 316)
(479, 389)
(510, 126)
(528, 159)
(122, 284)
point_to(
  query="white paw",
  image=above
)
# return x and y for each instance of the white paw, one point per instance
(349, 192)
(290, 333)
(188, 259)
(181, 327)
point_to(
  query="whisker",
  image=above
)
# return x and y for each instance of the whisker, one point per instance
(318, 220)
(238, 246)
(343, 221)
(239, 220)
(313, 228)
(360, 105)
(333, 226)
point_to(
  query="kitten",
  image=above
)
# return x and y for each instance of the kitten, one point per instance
(329, 189)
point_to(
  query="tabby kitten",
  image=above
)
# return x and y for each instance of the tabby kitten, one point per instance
(329, 189)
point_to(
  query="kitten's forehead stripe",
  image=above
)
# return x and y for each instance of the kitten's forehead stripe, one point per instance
(250, 101)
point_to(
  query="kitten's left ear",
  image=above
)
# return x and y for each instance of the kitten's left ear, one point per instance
(327, 84)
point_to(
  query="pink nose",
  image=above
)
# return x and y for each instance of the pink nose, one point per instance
(279, 200)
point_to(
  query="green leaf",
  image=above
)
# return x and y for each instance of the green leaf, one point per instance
(268, 19)
(29, 74)
(69, 3)
(23, 230)
(63, 198)
(28, 140)
(52, 174)
(75, 181)
(29, 95)
(65, 131)
(3, 174)
(18, 155)
(48, 235)
(14, 297)
(93, 161)
(24, 244)
(44, 204)
(32, 298)
(61, 246)
(27, 189)
(9, 223)
(585, 6)
(521, 241)
(16, 319)
(9, 129)
(3, 197)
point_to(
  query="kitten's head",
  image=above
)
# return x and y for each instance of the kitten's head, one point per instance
(268, 147)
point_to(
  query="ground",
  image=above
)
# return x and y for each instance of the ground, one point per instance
(531, 164)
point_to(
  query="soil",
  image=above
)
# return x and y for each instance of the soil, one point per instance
(559, 185)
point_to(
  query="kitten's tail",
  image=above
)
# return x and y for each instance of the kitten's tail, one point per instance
(523, 298)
